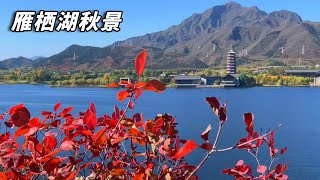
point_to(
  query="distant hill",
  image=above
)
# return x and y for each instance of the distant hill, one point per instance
(201, 40)
(37, 58)
(86, 57)
(19, 62)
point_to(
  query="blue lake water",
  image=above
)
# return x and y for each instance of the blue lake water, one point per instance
(297, 109)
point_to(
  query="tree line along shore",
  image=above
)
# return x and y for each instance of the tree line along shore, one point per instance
(248, 77)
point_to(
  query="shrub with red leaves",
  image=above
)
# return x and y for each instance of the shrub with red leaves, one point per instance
(122, 145)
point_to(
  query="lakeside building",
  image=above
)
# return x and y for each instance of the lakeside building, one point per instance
(316, 81)
(302, 72)
(211, 80)
(230, 80)
(310, 73)
(124, 81)
(195, 80)
(188, 80)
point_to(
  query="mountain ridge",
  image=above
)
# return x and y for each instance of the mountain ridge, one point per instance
(202, 40)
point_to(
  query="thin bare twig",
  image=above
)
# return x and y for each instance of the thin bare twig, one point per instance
(218, 135)
(271, 162)
(209, 153)
(255, 156)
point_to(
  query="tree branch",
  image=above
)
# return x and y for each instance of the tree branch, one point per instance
(209, 153)
(226, 149)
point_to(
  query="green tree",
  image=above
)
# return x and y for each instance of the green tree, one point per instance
(247, 80)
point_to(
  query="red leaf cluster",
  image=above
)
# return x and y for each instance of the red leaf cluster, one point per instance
(240, 171)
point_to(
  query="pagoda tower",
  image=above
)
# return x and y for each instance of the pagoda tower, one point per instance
(231, 62)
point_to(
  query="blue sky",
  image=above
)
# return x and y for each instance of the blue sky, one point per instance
(140, 17)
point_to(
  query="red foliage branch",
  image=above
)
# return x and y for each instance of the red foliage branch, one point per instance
(59, 145)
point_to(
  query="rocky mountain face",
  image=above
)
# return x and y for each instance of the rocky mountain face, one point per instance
(202, 40)
(248, 30)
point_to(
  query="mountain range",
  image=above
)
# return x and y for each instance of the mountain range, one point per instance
(199, 41)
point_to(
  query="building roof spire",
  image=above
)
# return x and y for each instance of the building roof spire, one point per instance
(232, 51)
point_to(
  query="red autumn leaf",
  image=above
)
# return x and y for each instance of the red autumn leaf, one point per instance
(100, 137)
(57, 106)
(49, 142)
(92, 108)
(30, 142)
(240, 163)
(140, 84)
(227, 171)
(138, 176)
(262, 169)
(188, 147)
(223, 114)
(113, 85)
(1, 117)
(131, 105)
(206, 146)
(21, 131)
(32, 131)
(279, 169)
(283, 150)
(213, 102)
(3, 176)
(8, 124)
(55, 123)
(248, 119)
(155, 85)
(66, 111)
(122, 95)
(115, 141)
(117, 172)
(34, 122)
(205, 134)
(46, 113)
(52, 164)
(20, 116)
(134, 132)
(140, 62)
(14, 108)
(67, 145)
(116, 113)
(90, 118)
(136, 117)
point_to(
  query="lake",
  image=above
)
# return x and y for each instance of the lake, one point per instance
(297, 109)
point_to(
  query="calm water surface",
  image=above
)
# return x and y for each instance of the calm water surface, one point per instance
(297, 109)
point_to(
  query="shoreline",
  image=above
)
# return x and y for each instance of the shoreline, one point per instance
(167, 86)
